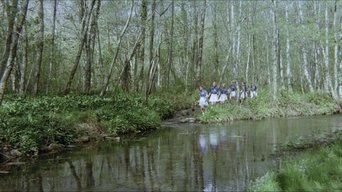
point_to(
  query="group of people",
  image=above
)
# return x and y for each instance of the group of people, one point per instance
(220, 94)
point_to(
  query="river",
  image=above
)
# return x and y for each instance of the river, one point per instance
(177, 157)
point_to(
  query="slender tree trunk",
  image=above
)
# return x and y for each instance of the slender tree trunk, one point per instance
(24, 63)
(274, 50)
(141, 55)
(11, 11)
(126, 74)
(337, 87)
(216, 44)
(170, 59)
(327, 83)
(319, 63)
(268, 60)
(288, 51)
(52, 53)
(238, 57)
(185, 49)
(198, 66)
(317, 77)
(100, 59)
(233, 37)
(305, 52)
(90, 45)
(84, 32)
(195, 42)
(109, 76)
(40, 48)
(151, 67)
(13, 50)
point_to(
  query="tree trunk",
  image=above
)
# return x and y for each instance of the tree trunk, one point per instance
(337, 73)
(52, 53)
(216, 44)
(288, 51)
(11, 11)
(90, 45)
(195, 42)
(327, 83)
(13, 50)
(109, 76)
(24, 63)
(40, 47)
(274, 50)
(84, 32)
(305, 52)
(150, 73)
(141, 46)
(170, 59)
(126, 74)
(198, 66)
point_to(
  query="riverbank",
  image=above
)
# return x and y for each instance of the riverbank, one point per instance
(316, 165)
(30, 127)
(286, 105)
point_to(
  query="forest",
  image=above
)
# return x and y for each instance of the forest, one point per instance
(74, 72)
(96, 46)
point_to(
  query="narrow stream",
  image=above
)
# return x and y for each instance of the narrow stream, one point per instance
(183, 157)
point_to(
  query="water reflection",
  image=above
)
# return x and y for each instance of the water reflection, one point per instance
(202, 158)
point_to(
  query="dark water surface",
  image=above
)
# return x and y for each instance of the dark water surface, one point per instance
(175, 158)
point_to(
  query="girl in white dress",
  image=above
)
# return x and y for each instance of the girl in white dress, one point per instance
(203, 94)
(213, 93)
(223, 93)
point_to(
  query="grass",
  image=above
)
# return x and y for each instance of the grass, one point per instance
(317, 169)
(287, 104)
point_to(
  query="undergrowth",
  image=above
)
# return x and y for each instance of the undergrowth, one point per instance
(27, 124)
(287, 104)
(319, 169)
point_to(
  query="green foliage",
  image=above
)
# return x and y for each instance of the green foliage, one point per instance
(30, 123)
(265, 183)
(287, 104)
(29, 132)
(316, 170)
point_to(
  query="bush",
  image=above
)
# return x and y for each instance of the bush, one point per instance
(29, 123)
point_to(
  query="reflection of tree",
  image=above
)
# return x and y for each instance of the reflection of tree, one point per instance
(198, 163)
(40, 182)
(169, 167)
(90, 182)
(74, 174)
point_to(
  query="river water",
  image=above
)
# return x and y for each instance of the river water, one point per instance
(178, 157)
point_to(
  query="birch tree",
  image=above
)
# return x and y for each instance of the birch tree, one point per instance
(327, 83)
(288, 51)
(274, 49)
(40, 47)
(305, 69)
(84, 32)
(52, 51)
(13, 46)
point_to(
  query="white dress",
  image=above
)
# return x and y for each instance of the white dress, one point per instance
(213, 98)
(203, 102)
(223, 97)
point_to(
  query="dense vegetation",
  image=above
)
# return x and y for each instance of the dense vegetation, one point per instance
(318, 169)
(28, 124)
(146, 45)
(287, 104)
